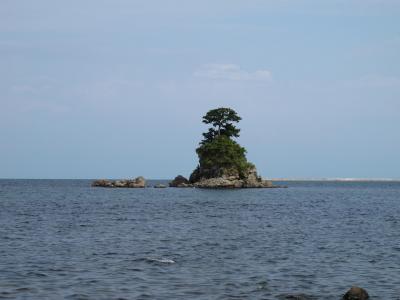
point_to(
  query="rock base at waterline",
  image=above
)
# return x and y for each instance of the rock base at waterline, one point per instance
(231, 184)
(138, 182)
(160, 186)
(180, 182)
(219, 178)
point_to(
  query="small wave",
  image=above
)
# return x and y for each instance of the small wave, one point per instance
(110, 253)
(77, 296)
(24, 289)
(160, 260)
(37, 274)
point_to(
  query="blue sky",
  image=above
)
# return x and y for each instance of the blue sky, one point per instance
(93, 89)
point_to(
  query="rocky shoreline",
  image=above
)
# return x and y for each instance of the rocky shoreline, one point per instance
(200, 178)
(221, 183)
(222, 178)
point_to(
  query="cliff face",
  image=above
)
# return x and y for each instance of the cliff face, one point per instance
(227, 178)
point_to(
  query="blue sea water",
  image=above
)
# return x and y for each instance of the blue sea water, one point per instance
(63, 239)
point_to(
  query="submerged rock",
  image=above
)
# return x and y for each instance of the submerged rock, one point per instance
(356, 293)
(160, 186)
(296, 297)
(181, 182)
(138, 182)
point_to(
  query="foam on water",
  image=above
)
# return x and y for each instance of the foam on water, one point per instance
(160, 260)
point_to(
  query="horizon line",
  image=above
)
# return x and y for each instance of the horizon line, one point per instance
(332, 179)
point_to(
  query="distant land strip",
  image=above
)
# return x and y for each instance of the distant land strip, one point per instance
(339, 179)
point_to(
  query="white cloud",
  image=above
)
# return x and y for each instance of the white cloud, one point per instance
(232, 72)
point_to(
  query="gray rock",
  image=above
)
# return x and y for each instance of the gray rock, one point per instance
(138, 182)
(219, 183)
(160, 186)
(356, 293)
(102, 183)
(120, 183)
(227, 178)
(181, 182)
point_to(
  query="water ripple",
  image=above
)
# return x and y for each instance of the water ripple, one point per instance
(65, 240)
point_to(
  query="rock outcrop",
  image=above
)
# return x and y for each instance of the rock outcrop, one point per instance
(138, 182)
(356, 293)
(181, 182)
(222, 161)
(160, 186)
(227, 178)
(222, 178)
(219, 182)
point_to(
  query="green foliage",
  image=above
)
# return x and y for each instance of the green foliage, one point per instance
(221, 152)
(218, 150)
(222, 120)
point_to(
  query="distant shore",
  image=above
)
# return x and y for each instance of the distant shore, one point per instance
(339, 179)
(271, 179)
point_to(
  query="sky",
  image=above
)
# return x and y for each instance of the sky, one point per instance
(117, 89)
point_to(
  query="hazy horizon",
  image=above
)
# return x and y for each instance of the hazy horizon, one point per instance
(272, 179)
(117, 89)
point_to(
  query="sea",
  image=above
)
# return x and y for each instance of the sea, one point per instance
(63, 239)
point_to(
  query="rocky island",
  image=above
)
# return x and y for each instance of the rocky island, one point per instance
(222, 161)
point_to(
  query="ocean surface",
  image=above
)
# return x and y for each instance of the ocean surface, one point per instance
(63, 239)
